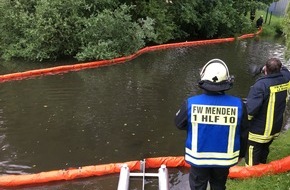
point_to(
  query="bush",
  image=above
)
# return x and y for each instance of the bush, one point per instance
(46, 30)
(111, 34)
(105, 29)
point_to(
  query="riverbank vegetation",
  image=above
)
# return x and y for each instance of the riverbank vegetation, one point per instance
(106, 29)
(273, 25)
(286, 30)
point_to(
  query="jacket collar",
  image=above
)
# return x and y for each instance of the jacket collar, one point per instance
(274, 75)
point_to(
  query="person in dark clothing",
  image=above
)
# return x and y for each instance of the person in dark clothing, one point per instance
(259, 22)
(214, 122)
(266, 103)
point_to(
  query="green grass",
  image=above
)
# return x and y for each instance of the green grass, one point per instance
(270, 182)
(280, 148)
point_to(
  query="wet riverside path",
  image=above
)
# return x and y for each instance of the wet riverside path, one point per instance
(113, 114)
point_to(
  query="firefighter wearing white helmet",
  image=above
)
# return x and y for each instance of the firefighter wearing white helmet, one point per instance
(214, 122)
(215, 76)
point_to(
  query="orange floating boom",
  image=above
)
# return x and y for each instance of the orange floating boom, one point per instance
(105, 169)
(239, 172)
(95, 64)
(274, 167)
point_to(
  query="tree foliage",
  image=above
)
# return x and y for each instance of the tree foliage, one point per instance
(105, 29)
(112, 34)
(47, 31)
(159, 12)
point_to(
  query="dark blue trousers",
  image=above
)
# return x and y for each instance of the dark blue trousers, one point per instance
(216, 176)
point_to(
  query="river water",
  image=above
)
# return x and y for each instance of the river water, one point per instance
(113, 114)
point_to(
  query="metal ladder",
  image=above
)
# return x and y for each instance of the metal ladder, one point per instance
(125, 175)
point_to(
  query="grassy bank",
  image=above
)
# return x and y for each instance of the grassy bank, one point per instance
(279, 149)
(272, 26)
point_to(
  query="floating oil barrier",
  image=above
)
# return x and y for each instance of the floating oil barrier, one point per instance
(238, 172)
(95, 64)
(273, 167)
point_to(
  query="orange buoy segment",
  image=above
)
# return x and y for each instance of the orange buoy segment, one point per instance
(58, 175)
(80, 66)
(274, 167)
(170, 162)
(240, 172)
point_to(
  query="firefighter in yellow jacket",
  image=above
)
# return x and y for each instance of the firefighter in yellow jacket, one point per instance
(266, 104)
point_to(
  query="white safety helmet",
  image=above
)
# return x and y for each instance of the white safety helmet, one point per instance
(215, 71)
(215, 76)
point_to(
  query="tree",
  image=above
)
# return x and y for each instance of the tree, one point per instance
(163, 24)
(88, 29)
(111, 34)
(39, 31)
(105, 29)
(202, 19)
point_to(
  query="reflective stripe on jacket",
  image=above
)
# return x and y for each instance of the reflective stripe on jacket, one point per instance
(266, 104)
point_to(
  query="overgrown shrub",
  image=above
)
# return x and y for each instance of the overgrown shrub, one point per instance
(105, 29)
(111, 34)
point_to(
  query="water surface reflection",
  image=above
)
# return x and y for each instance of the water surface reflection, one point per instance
(113, 114)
